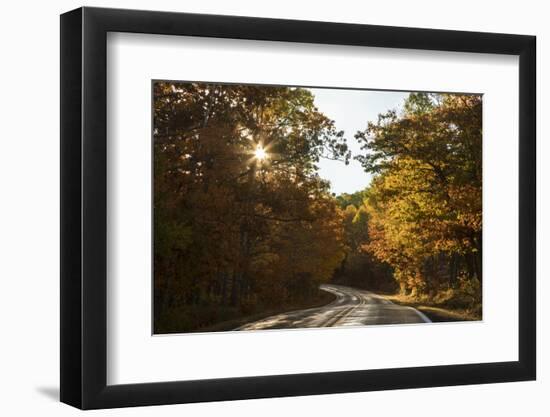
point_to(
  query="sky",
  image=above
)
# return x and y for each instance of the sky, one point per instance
(351, 110)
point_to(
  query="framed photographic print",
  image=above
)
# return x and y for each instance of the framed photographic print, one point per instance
(258, 208)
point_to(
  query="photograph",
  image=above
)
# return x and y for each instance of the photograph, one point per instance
(287, 207)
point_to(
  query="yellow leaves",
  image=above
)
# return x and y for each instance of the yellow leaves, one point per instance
(426, 196)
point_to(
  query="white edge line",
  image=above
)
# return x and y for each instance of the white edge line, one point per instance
(421, 315)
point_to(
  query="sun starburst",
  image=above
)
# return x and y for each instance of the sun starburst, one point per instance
(260, 153)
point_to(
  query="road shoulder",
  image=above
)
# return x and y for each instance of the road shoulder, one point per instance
(323, 299)
(435, 314)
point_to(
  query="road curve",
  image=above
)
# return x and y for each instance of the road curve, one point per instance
(352, 307)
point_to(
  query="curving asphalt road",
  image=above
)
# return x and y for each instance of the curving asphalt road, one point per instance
(352, 307)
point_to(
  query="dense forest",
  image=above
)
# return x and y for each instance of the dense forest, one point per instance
(243, 223)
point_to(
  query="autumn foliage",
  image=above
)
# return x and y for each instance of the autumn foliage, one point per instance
(235, 232)
(243, 222)
(425, 201)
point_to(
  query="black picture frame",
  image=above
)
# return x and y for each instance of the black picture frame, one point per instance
(84, 207)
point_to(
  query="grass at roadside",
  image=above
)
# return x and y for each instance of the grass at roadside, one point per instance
(436, 312)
